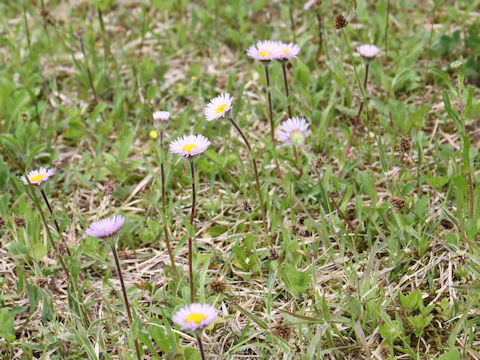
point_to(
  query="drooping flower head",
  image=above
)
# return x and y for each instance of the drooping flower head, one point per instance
(218, 107)
(286, 51)
(368, 51)
(189, 145)
(195, 316)
(160, 117)
(105, 228)
(263, 50)
(36, 177)
(293, 131)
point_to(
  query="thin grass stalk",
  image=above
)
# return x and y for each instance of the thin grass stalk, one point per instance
(292, 20)
(165, 228)
(357, 121)
(190, 241)
(386, 29)
(200, 346)
(27, 30)
(106, 41)
(257, 179)
(320, 33)
(55, 221)
(125, 297)
(464, 129)
(353, 63)
(90, 79)
(45, 27)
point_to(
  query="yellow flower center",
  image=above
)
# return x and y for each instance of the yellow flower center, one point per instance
(264, 53)
(196, 318)
(38, 177)
(286, 51)
(153, 134)
(189, 148)
(221, 108)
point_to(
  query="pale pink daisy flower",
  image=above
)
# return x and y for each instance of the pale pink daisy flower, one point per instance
(189, 145)
(293, 131)
(218, 107)
(36, 177)
(195, 316)
(263, 50)
(105, 228)
(161, 117)
(286, 51)
(368, 51)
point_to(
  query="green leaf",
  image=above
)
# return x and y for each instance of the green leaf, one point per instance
(296, 281)
(412, 301)
(7, 330)
(38, 251)
(216, 230)
(158, 334)
(453, 354)
(390, 330)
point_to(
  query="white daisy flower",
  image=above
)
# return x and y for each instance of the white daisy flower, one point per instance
(189, 145)
(286, 51)
(293, 131)
(263, 50)
(218, 107)
(36, 177)
(195, 316)
(105, 228)
(161, 117)
(367, 51)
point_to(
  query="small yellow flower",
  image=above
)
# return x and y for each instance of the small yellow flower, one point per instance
(154, 134)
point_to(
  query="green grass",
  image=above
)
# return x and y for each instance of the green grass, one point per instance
(402, 284)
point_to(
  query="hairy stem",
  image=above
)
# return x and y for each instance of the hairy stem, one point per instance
(272, 126)
(287, 92)
(125, 297)
(190, 241)
(200, 346)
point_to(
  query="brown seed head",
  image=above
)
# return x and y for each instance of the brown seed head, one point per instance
(273, 254)
(109, 187)
(218, 286)
(319, 162)
(282, 331)
(398, 203)
(405, 144)
(62, 248)
(19, 221)
(246, 206)
(340, 22)
(80, 31)
(41, 282)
